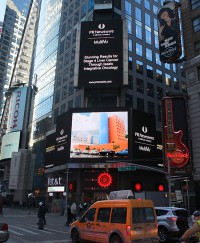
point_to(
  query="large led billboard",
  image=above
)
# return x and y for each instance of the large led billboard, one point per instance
(99, 134)
(169, 32)
(101, 55)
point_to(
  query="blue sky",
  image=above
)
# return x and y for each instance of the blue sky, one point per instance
(2, 9)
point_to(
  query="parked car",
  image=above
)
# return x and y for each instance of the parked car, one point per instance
(4, 233)
(107, 152)
(167, 222)
(123, 152)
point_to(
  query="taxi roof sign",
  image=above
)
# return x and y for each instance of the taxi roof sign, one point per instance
(122, 194)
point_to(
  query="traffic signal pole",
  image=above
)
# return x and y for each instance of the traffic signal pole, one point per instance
(66, 200)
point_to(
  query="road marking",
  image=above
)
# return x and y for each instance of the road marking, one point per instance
(54, 241)
(14, 232)
(28, 231)
(50, 229)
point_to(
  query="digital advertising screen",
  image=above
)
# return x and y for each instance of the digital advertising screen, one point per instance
(100, 58)
(99, 135)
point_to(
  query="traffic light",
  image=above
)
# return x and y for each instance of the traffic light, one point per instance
(43, 171)
(71, 186)
(137, 186)
(160, 187)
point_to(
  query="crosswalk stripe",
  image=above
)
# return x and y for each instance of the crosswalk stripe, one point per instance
(15, 232)
(28, 231)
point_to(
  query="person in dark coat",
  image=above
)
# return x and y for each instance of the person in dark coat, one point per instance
(41, 214)
(182, 224)
(69, 215)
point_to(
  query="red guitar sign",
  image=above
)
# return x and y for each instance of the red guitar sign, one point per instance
(175, 150)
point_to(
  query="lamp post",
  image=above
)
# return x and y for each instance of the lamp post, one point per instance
(66, 199)
(169, 182)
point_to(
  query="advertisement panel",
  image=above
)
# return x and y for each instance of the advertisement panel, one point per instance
(10, 143)
(99, 134)
(50, 150)
(144, 137)
(14, 171)
(18, 101)
(175, 135)
(169, 32)
(62, 140)
(99, 58)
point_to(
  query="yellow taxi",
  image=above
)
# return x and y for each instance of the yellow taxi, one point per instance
(117, 221)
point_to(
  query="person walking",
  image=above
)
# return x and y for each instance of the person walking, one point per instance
(69, 216)
(1, 206)
(41, 214)
(73, 212)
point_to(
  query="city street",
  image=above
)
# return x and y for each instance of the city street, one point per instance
(23, 227)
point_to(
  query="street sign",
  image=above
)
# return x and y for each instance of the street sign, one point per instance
(127, 168)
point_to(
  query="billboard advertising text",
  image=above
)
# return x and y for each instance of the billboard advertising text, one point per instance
(169, 32)
(100, 59)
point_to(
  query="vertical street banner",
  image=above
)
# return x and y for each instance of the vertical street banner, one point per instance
(100, 55)
(169, 32)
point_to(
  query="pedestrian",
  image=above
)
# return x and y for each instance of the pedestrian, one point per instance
(194, 230)
(1, 206)
(80, 209)
(46, 210)
(182, 224)
(41, 214)
(69, 215)
(73, 211)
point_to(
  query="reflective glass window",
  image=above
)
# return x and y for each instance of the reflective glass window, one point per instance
(140, 85)
(147, 4)
(148, 54)
(147, 19)
(138, 14)
(129, 26)
(148, 36)
(139, 49)
(130, 45)
(157, 59)
(155, 9)
(128, 8)
(139, 67)
(138, 31)
(168, 79)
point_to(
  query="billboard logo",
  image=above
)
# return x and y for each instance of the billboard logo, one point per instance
(144, 129)
(62, 132)
(101, 26)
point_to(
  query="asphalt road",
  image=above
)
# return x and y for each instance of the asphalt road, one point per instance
(23, 227)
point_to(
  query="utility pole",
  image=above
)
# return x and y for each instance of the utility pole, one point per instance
(169, 182)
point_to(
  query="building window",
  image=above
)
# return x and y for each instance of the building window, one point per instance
(128, 8)
(71, 89)
(151, 107)
(159, 93)
(64, 92)
(57, 97)
(138, 14)
(78, 101)
(139, 49)
(156, 41)
(150, 90)
(130, 45)
(90, 5)
(155, 9)
(159, 113)
(149, 71)
(147, 20)
(140, 104)
(159, 75)
(62, 109)
(167, 66)
(138, 30)
(56, 114)
(149, 54)
(167, 79)
(158, 59)
(155, 24)
(83, 11)
(128, 100)
(138, 1)
(148, 36)
(130, 81)
(195, 4)
(176, 83)
(130, 63)
(139, 67)
(184, 87)
(196, 24)
(147, 4)
(198, 72)
(197, 48)
(140, 85)
(129, 26)
(70, 104)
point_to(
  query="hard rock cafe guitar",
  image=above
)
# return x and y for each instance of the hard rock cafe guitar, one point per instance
(175, 150)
